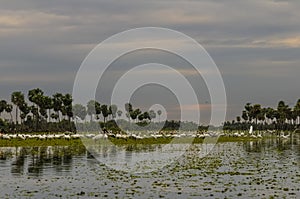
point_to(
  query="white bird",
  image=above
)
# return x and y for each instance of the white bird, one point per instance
(270, 131)
(97, 137)
(89, 135)
(76, 136)
(259, 135)
(236, 134)
(67, 137)
(50, 136)
(21, 136)
(57, 136)
(6, 137)
(13, 136)
(251, 130)
(42, 137)
(284, 136)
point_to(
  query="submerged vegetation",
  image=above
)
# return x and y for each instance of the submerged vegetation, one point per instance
(255, 169)
(37, 142)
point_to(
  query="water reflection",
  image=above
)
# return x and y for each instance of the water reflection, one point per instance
(260, 145)
(37, 160)
(278, 149)
(57, 160)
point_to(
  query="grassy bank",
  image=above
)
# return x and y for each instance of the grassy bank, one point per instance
(118, 141)
(36, 142)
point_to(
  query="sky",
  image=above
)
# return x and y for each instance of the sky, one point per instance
(254, 43)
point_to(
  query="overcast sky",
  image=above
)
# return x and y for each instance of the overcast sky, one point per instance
(254, 43)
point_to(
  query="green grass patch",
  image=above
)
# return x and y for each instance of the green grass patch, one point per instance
(37, 142)
(119, 141)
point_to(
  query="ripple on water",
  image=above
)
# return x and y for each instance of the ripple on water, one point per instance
(262, 169)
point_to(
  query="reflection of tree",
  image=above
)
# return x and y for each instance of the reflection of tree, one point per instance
(276, 144)
(58, 158)
(67, 158)
(283, 144)
(128, 152)
(89, 155)
(297, 147)
(18, 165)
(113, 151)
(5, 153)
(254, 146)
(38, 161)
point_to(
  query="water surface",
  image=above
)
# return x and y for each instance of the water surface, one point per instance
(255, 169)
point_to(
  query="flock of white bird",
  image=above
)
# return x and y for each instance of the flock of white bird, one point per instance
(143, 135)
(101, 135)
(261, 134)
(150, 134)
(39, 136)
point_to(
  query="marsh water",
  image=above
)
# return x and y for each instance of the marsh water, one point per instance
(266, 168)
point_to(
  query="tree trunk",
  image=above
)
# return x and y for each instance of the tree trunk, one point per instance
(11, 117)
(49, 115)
(58, 118)
(17, 115)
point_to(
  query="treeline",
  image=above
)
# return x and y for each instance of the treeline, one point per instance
(41, 113)
(283, 117)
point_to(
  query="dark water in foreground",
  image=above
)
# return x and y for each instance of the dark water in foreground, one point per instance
(267, 168)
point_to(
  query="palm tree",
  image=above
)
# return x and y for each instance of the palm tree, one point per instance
(54, 116)
(2, 106)
(97, 109)
(270, 114)
(67, 106)
(297, 112)
(17, 98)
(282, 111)
(35, 96)
(43, 113)
(129, 110)
(91, 109)
(255, 112)
(152, 114)
(57, 104)
(238, 119)
(119, 112)
(128, 116)
(47, 104)
(134, 114)
(245, 116)
(294, 117)
(25, 110)
(113, 110)
(289, 115)
(9, 109)
(159, 113)
(105, 112)
(261, 116)
(128, 107)
(248, 108)
(141, 117)
(146, 115)
(79, 111)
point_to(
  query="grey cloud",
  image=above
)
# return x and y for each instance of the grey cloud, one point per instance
(245, 38)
